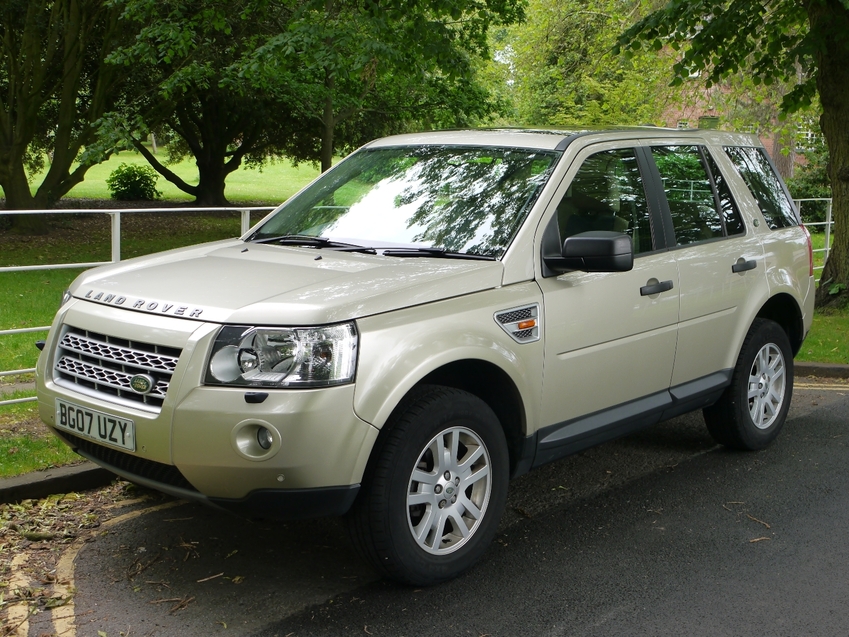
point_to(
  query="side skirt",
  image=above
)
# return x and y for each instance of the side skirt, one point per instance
(563, 439)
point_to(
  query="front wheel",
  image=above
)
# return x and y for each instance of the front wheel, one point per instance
(752, 410)
(431, 504)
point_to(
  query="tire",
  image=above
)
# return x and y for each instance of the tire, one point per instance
(431, 502)
(750, 413)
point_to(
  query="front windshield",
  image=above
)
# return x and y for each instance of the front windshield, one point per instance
(458, 199)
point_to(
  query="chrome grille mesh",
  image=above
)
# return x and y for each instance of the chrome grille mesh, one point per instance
(521, 323)
(103, 366)
(515, 316)
(103, 376)
(142, 360)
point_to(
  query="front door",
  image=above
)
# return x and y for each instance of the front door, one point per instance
(610, 337)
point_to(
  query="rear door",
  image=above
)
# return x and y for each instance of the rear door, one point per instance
(720, 261)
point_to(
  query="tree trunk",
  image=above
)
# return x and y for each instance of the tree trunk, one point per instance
(19, 197)
(785, 161)
(211, 183)
(829, 20)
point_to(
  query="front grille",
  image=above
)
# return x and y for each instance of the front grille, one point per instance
(103, 366)
(155, 471)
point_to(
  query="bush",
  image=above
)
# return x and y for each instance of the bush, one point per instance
(811, 181)
(133, 183)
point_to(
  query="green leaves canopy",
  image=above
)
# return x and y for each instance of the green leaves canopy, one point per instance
(769, 39)
(304, 78)
(564, 73)
(54, 91)
(803, 42)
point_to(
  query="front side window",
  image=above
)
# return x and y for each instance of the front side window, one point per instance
(756, 170)
(466, 200)
(698, 213)
(607, 194)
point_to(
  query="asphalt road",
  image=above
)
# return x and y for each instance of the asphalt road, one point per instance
(661, 533)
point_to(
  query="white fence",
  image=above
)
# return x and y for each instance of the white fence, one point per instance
(245, 216)
(827, 226)
(115, 241)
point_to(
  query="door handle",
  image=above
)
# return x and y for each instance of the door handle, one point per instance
(655, 288)
(742, 265)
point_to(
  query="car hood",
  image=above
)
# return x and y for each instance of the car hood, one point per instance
(237, 282)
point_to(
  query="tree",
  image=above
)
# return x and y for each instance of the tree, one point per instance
(564, 73)
(811, 180)
(188, 77)
(802, 42)
(54, 90)
(245, 81)
(376, 67)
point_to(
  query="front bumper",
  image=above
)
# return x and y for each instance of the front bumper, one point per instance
(274, 504)
(202, 446)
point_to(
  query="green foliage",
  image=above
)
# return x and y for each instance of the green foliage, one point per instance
(564, 73)
(360, 70)
(54, 89)
(133, 183)
(191, 90)
(717, 38)
(811, 181)
(233, 82)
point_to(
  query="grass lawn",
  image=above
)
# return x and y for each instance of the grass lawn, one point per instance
(818, 243)
(276, 182)
(828, 341)
(25, 443)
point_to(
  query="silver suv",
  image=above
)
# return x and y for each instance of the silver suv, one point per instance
(438, 313)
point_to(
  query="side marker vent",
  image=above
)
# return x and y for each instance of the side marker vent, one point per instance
(521, 323)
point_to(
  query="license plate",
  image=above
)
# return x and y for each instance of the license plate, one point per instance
(104, 428)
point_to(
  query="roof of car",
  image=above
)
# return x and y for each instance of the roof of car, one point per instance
(555, 139)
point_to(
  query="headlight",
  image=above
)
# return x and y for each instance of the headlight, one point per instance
(66, 296)
(283, 357)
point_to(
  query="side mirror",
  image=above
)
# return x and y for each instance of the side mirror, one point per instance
(594, 251)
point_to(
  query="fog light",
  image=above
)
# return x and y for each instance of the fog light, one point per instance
(255, 440)
(264, 438)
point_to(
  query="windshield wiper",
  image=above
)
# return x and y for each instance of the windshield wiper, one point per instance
(434, 252)
(340, 246)
(317, 242)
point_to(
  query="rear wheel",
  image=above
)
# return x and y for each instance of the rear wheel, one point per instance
(752, 410)
(432, 502)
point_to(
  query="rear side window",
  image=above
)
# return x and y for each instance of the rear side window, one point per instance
(756, 170)
(701, 208)
(730, 215)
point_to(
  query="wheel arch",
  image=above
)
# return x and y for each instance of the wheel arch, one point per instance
(493, 386)
(784, 310)
(488, 382)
